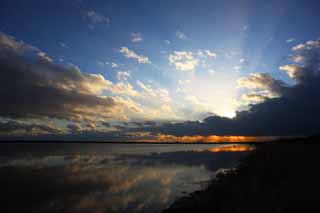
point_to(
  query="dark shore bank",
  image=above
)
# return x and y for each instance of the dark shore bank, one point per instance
(282, 176)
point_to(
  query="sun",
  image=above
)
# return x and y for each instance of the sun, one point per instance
(229, 114)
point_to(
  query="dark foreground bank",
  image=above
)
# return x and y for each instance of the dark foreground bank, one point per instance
(277, 177)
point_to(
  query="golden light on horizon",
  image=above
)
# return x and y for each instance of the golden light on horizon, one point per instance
(208, 139)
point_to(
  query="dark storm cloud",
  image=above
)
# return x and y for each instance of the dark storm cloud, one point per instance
(38, 88)
(7, 127)
(295, 112)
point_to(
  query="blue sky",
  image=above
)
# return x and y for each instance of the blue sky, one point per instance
(184, 57)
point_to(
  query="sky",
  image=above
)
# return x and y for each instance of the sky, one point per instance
(159, 70)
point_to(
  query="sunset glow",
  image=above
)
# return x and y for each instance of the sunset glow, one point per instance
(167, 71)
(209, 139)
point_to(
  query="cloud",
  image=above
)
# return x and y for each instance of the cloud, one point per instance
(63, 45)
(103, 63)
(94, 18)
(257, 97)
(183, 60)
(124, 88)
(188, 61)
(131, 54)
(114, 65)
(74, 127)
(211, 54)
(13, 127)
(294, 112)
(34, 90)
(206, 53)
(292, 70)
(307, 62)
(181, 35)
(44, 56)
(136, 37)
(123, 75)
(289, 40)
(263, 81)
(160, 94)
(42, 89)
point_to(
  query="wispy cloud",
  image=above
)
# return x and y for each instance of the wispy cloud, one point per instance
(131, 54)
(114, 65)
(103, 63)
(208, 53)
(123, 75)
(63, 45)
(94, 18)
(289, 40)
(183, 60)
(245, 28)
(136, 37)
(181, 35)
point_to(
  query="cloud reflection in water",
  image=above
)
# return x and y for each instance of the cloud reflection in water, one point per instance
(106, 183)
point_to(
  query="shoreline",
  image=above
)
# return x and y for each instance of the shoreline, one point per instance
(276, 177)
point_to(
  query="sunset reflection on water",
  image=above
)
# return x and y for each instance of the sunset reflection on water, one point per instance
(122, 178)
(232, 148)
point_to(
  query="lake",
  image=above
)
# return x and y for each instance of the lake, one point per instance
(83, 177)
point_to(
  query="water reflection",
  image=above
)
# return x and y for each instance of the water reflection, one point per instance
(232, 148)
(112, 182)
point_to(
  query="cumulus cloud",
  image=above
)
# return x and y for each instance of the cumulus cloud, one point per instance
(43, 89)
(131, 54)
(294, 112)
(136, 37)
(34, 89)
(306, 61)
(255, 97)
(292, 70)
(309, 45)
(264, 82)
(183, 60)
(188, 60)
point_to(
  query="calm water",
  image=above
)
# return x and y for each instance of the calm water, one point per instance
(105, 177)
